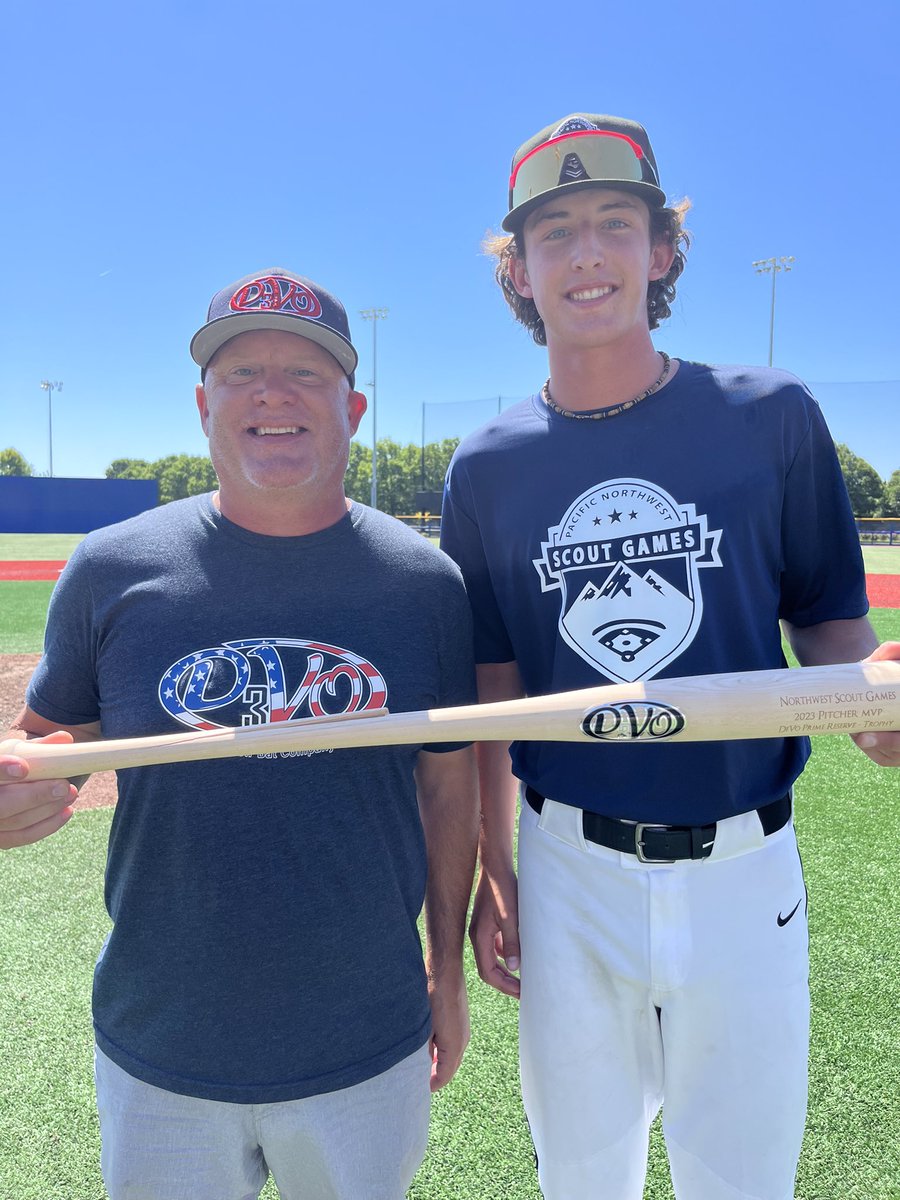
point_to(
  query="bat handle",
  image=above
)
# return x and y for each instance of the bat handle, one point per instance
(14, 747)
(46, 760)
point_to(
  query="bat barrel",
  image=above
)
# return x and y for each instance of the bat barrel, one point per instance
(849, 698)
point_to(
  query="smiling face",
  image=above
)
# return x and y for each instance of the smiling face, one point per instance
(588, 261)
(279, 413)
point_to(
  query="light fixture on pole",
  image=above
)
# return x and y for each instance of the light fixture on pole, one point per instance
(374, 315)
(49, 386)
(771, 266)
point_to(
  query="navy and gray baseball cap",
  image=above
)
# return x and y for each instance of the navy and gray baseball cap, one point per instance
(276, 299)
(577, 151)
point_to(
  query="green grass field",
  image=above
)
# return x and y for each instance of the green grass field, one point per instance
(23, 611)
(36, 546)
(882, 560)
(848, 815)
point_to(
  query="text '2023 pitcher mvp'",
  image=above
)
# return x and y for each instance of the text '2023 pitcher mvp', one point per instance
(642, 517)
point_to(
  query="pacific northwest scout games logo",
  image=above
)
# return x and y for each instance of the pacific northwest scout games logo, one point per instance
(626, 559)
(258, 681)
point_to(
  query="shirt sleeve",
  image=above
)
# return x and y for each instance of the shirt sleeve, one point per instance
(452, 623)
(461, 539)
(64, 685)
(823, 577)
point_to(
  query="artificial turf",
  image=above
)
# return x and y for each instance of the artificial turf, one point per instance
(52, 924)
(23, 611)
(848, 815)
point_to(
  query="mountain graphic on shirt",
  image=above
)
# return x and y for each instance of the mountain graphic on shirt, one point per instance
(615, 619)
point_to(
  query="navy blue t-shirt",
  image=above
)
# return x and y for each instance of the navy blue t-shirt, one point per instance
(665, 541)
(264, 943)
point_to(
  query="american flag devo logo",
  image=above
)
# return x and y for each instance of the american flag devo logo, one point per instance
(257, 681)
(274, 293)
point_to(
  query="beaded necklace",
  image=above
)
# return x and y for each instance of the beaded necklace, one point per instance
(600, 414)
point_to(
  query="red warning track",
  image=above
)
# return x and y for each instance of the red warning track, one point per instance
(883, 590)
(40, 569)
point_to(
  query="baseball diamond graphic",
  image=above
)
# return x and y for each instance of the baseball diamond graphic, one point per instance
(626, 559)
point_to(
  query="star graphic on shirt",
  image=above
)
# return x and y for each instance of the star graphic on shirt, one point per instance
(615, 517)
(633, 516)
(598, 521)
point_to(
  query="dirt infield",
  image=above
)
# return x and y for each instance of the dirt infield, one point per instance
(15, 671)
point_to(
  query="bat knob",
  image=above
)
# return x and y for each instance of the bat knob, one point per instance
(13, 747)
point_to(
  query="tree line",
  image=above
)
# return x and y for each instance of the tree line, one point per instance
(404, 470)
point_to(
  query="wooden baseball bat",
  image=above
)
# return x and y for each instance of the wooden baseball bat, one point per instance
(849, 698)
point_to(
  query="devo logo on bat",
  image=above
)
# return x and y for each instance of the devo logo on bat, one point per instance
(633, 720)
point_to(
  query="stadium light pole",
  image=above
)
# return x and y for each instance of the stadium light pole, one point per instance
(374, 315)
(49, 386)
(771, 266)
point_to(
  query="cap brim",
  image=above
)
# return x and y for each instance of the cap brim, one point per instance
(648, 192)
(211, 337)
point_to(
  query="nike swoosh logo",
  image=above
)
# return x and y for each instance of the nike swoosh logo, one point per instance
(784, 920)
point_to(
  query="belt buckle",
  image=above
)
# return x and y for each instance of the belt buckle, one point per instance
(639, 843)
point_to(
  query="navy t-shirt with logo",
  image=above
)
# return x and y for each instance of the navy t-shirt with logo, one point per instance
(665, 541)
(264, 943)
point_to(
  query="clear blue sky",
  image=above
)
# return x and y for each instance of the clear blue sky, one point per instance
(154, 153)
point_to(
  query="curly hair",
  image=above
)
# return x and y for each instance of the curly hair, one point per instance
(666, 225)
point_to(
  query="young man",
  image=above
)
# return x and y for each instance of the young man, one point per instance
(261, 1002)
(642, 517)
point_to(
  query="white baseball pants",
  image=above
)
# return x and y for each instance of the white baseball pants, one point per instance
(682, 986)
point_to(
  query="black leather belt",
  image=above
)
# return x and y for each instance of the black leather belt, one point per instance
(663, 843)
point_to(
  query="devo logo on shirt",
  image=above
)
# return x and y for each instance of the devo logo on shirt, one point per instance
(258, 681)
(274, 293)
(626, 559)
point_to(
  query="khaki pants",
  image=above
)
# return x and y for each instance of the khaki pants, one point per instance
(360, 1143)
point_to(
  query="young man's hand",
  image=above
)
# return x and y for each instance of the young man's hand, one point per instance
(882, 748)
(494, 931)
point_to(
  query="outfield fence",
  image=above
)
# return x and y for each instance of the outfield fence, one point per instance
(425, 522)
(879, 531)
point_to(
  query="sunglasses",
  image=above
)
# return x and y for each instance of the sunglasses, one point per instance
(603, 156)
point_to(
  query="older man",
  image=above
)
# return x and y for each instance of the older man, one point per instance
(261, 1003)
